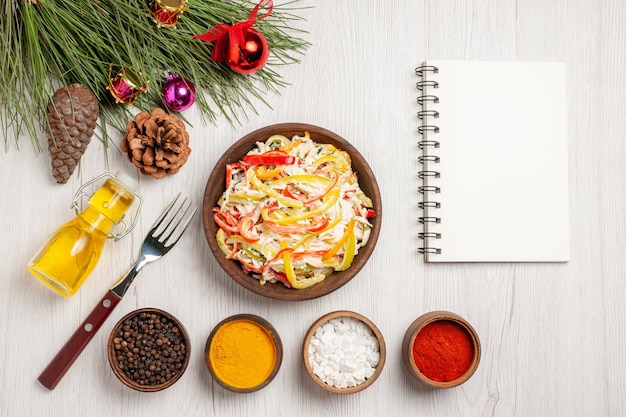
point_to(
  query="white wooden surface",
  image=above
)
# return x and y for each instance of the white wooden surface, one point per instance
(553, 335)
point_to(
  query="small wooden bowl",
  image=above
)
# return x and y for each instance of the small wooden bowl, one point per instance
(216, 185)
(178, 339)
(409, 340)
(309, 366)
(268, 328)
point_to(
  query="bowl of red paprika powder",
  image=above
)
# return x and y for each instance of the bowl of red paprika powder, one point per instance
(441, 349)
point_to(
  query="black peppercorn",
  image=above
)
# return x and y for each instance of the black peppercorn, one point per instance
(148, 348)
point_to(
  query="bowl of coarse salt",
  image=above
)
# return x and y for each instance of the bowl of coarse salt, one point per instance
(343, 352)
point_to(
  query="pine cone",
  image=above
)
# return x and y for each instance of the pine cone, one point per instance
(157, 143)
(72, 116)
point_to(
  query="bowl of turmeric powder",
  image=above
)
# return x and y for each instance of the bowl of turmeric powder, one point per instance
(243, 353)
(441, 349)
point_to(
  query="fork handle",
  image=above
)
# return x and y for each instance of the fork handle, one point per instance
(63, 360)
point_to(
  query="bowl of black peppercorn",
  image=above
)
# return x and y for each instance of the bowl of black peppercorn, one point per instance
(148, 349)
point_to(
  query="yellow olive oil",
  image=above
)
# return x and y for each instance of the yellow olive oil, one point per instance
(73, 250)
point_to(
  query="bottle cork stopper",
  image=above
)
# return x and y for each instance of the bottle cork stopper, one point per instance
(127, 181)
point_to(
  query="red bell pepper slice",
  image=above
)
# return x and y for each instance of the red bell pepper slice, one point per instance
(275, 157)
(288, 193)
(230, 170)
(225, 221)
(247, 223)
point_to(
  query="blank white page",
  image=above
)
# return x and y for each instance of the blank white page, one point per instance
(503, 162)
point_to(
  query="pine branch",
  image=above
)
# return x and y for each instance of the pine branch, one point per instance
(48, 43)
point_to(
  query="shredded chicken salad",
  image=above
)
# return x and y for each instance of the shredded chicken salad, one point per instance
(292, 212)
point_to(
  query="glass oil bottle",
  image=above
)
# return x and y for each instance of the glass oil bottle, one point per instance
(72, 251)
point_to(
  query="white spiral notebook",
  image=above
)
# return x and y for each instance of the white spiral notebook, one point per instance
(494, 163)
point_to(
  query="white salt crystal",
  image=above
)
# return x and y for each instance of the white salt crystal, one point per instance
(360, 375)
(327, 338)
(349, 364)
(372, 357)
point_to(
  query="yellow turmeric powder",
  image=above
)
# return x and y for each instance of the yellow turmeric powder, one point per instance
(242, 354)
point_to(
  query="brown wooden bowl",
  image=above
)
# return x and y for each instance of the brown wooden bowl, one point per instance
(216, 186)
(267, 327)
(409, 340)
(178, 340)
(309, 366)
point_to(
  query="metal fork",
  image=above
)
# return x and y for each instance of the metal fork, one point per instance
(164, 234)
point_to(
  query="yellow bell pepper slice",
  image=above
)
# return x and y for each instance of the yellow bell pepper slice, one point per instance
(289, 147)
(348, 256)
(346, 236)
(245, 197)
(282, 140)
(337, 162)
(302, 178)
(328, 147)
(263, 173)
(330, 199)
(292, 277)
(220, 237)
(259, 185)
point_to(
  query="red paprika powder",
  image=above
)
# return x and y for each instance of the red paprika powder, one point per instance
(443, 350)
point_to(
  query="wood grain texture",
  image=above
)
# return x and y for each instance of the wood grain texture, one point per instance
(552, 335)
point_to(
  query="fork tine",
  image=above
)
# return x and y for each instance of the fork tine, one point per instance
(181, 226)
(173, 222)
(161, 218)
(170, 221)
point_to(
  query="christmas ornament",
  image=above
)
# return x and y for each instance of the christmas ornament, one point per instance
(72, 116)
(167, 12)
(245, 50)
(157, 143)
(126, 86)
(178, 93)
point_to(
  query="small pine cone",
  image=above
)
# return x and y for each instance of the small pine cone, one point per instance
(157, 143)
(72, 117)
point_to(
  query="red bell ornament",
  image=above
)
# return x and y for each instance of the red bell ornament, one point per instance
(248, 56)
(243, 49)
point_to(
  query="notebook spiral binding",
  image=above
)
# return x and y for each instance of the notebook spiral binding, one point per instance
(427, 145)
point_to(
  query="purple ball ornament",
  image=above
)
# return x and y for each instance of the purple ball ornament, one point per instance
(178, 93)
